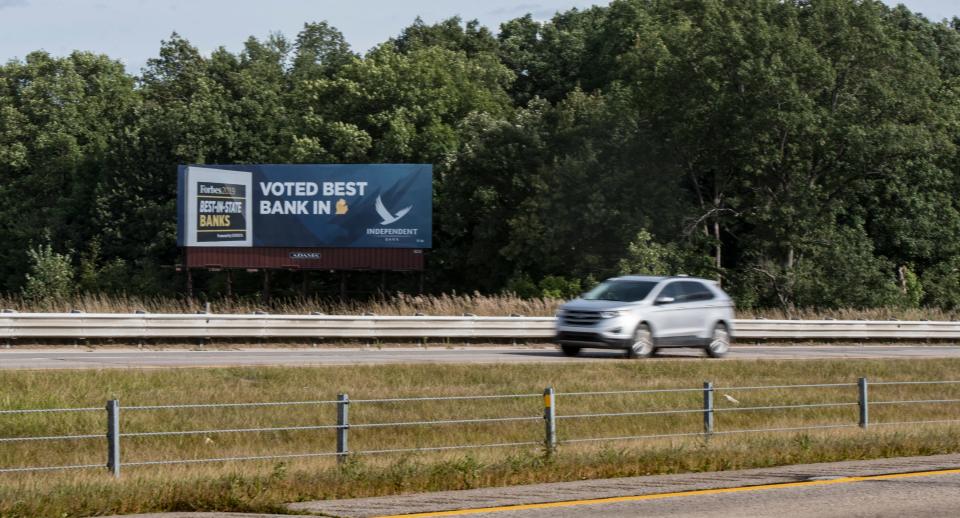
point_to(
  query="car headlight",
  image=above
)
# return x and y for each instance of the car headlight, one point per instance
(610, 314)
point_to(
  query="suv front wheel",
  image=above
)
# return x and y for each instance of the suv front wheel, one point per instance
(719, 344)
(641, 346)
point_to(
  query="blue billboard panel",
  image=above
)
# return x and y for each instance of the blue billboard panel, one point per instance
(324, 205)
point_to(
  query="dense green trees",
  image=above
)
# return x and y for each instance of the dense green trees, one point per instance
(804, 152)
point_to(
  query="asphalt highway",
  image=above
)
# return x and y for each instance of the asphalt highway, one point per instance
(82, 358)
(915, 495)
(898, 487)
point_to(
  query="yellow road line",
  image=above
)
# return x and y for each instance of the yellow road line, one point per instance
(659, 496)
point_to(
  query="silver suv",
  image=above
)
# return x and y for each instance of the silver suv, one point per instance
(642, 314)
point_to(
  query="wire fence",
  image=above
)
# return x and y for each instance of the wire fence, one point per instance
(542, 411)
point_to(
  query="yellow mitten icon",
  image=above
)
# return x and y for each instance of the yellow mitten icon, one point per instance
(342, 206)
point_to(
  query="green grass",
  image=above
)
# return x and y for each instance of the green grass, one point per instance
(265, 485)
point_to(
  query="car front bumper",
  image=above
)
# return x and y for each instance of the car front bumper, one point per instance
(608, 334)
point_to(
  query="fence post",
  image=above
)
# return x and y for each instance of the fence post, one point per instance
(550, 420)
(707, 407)
(343, 425)
(864, 402)
(113, 437)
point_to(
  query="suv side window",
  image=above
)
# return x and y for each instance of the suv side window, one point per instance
(694, 291)
(672, 290)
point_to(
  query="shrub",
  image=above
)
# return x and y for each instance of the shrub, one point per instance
(51, 274)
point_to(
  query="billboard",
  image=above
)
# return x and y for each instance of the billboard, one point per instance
(316, 205)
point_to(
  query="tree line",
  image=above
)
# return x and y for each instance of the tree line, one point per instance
(803, 152)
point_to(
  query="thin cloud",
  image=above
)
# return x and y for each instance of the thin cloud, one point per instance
(13, 3)
(514, 9)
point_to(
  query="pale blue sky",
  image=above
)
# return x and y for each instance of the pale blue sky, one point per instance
(131, 30)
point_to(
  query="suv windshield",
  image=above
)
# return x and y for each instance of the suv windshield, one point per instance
(624, 291)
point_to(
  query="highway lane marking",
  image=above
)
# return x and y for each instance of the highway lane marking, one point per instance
(659, 496)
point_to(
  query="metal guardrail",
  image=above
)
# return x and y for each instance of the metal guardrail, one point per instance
(853, 329)
(549, 418)
(81, 326)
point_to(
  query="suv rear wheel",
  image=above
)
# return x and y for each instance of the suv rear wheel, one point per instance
(641, 346)
(570, 350)
(719, 344)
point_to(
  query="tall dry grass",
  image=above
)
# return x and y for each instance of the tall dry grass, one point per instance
(264, 486)
(852, 314)
(400, 304)
(404, 304)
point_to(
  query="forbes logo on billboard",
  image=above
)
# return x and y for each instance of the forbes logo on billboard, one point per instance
(362, 206)
(219, 212)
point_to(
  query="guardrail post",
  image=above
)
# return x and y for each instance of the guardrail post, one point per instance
(113, 437)
(550, 420)
(864, 402)
(707, 407)
(343, 425)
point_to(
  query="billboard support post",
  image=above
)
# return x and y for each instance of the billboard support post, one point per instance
(266, 286)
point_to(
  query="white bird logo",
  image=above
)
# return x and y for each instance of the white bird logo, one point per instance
(385, 214)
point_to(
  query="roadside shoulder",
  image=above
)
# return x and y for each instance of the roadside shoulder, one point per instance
(619, 487)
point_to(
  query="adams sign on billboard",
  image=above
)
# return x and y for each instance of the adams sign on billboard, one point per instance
(330, 205)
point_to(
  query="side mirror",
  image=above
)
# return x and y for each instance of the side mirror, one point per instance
(663, 300)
